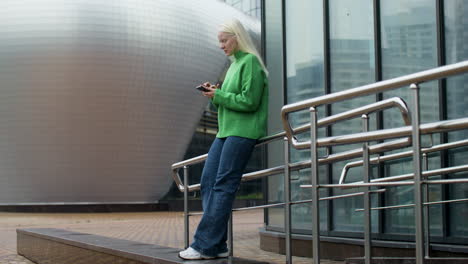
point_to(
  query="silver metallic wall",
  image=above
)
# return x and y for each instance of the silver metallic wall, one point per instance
(97, 98)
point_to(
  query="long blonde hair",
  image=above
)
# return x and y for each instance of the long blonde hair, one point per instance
(244, 41)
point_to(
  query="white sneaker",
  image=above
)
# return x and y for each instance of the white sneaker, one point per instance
(192, 254)
(223, 255)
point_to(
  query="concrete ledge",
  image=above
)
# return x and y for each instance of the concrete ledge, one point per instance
(48, 245)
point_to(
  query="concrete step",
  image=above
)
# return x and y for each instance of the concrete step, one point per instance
(50, 245)
(396, 260)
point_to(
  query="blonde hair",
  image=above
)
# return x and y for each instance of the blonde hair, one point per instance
(244, 41)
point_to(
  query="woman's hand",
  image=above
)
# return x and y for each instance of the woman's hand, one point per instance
(211, 88)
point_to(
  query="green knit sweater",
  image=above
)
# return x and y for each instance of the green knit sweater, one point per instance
(242, 101)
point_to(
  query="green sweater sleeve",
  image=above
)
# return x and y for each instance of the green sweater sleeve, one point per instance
(251, 81)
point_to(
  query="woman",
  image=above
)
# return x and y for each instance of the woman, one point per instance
(242, 103)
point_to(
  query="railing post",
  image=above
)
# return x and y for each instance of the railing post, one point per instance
(287, 203)
(418, 199)
(186, 209)
(366, 198)
(230, 236)
(315, 189)
(427, 230)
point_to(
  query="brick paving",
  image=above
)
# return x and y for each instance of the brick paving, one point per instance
(161, 228)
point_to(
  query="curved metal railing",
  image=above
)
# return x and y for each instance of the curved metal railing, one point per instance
(374, 88)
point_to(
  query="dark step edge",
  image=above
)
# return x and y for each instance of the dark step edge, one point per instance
(106, 245)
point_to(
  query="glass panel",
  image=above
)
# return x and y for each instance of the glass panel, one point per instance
(275, 195)
(274, 60)
(456, 34)
(409, 45)
(345, 218)
(304, 37)
(458, 211)
(435, 194)
(352, 65)
(304, 42)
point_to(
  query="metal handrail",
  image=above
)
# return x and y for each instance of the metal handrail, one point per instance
(394, 102)
(428, 128)
(345, 155)
(395, 180)
(415, 130)
(412, 205)
(377, 160)
(334, 197)
(396, 183)
(378, 87)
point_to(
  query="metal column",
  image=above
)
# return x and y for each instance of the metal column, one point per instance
(418, 199)
(367, 205)
(287, 203)
(315, 188)
(186, 210)
(427, 230)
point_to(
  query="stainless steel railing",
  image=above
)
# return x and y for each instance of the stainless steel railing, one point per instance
(400, 155)
(416, 129)
(400, 137)
(374, 88)
(368, 109)
(394, 102)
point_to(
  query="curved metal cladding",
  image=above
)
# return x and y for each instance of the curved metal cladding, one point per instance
(97, 97)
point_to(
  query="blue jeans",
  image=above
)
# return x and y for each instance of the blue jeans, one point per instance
(220, 180)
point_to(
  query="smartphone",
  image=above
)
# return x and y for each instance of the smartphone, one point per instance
(201, 88)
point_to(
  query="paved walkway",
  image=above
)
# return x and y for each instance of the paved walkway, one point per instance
(162, 228)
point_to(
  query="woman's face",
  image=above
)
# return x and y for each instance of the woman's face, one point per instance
(227, 42)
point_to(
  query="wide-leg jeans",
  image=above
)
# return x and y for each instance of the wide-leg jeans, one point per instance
(220, 180)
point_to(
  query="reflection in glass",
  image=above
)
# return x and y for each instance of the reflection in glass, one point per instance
(352, 65)
(304, 43)
(409, 45)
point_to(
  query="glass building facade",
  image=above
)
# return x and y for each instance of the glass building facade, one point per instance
(317, 47)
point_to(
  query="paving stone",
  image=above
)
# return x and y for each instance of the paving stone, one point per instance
(14, 259)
